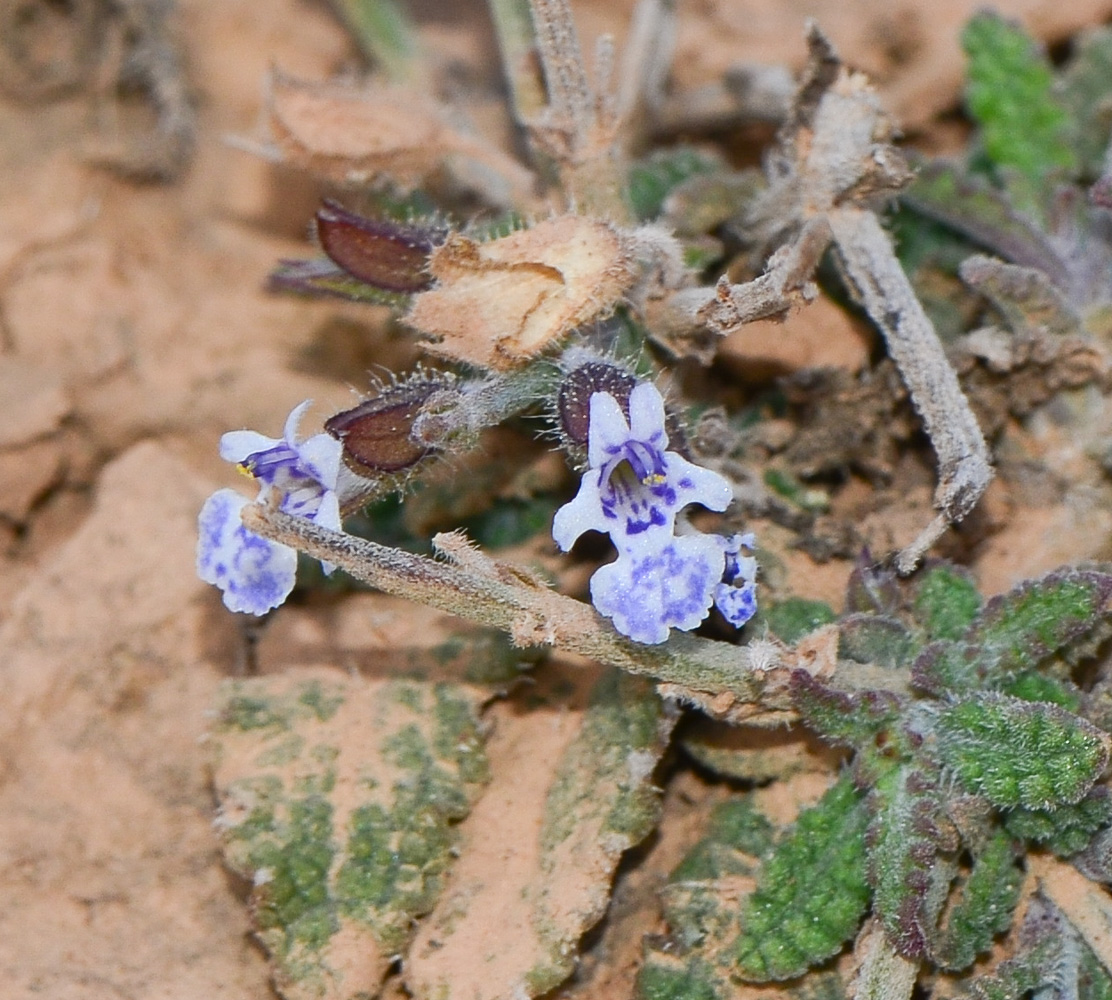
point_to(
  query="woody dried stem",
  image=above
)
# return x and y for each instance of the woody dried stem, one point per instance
(832, 163)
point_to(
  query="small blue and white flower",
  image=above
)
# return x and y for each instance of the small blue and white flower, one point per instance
(633, 490)
(255, 573)
(736, 595)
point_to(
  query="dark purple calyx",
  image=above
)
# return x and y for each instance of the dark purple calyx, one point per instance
(377, 434)
(573, 399)
(392, 256)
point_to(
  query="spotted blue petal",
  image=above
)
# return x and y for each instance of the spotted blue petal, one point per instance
(255, 574)
(633, 490)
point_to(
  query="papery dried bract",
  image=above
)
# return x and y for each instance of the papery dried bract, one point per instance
(500, 303)
(357, 135)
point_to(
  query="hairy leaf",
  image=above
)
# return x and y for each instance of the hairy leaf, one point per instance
(988, 900)
(946, 601)
(909, 876)
(1020, 628)
(811, 892)
(875, 639)
(337, 802)
(1019, 753)
(1016, 631)
(971, 207)
(1065, 830)
(854, 720)
(1009, 91)
(794, 617)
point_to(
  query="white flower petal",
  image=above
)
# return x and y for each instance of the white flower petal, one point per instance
(581, 514)
(289, 432)
(694, 484)
(237, 446)
(321, 455)
(646, 415)
(607, 428)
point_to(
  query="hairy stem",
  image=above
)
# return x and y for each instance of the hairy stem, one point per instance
(505, 598)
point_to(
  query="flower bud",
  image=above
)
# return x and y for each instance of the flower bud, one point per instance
(391, 256)
(377, 435)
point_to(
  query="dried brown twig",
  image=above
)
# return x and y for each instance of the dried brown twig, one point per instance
(833, 162)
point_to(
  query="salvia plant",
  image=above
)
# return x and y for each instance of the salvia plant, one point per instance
(966, 829)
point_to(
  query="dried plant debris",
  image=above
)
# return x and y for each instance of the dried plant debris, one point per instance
(364, 135)
(338, 799)
(833, 164)
(497, 304)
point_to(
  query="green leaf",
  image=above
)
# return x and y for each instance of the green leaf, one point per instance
(853, 720)
(652, 179)
(1024, 626)
(971, 207)
(736, 834)
(811, 892)
(1024, 129)
(875, 639)
(1016, 631)
(909, 876)
(338, 805)
(1036, 686)
(1019, 753)
(946, 601)
(662, 978)
(987, 902)
(1016, 977)
(1065, 830)
(794, 617)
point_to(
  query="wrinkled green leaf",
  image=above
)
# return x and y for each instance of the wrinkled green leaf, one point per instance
(337, 803)
(946, 601)
(1019, 753)
(1065, 830)
(811, 892)
(1016, 631)
(908, 874)
(984, 908)
(1023, 128)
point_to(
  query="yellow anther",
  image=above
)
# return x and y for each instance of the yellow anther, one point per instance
(246, 470)
(653, 479)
